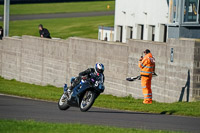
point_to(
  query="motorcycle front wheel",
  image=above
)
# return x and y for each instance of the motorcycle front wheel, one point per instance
(87, 101)
(62, 103)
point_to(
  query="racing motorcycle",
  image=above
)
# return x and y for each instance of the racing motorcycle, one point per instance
(83, 95)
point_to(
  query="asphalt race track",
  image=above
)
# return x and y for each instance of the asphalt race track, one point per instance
(58, 15)
(23, 109)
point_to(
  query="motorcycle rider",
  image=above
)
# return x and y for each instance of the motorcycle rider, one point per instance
(97, 71)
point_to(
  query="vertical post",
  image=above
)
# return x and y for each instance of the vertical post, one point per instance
(170, 11)
(181, 12)
(6, 17)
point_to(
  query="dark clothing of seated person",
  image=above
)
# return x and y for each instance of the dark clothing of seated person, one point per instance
(44, 33)
(1, 32)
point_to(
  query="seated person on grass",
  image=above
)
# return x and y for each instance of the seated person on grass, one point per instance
(44, 33)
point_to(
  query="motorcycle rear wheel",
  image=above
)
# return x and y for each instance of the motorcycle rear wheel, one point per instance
(62, 104)
(87, 101)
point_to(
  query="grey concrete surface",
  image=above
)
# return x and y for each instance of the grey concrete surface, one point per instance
(45, 61)
(59, 15)
(24, 109)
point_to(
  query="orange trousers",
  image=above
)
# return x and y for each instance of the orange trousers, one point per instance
(146, 89)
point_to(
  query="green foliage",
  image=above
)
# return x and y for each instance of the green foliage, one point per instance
(131, 104)
(18, 9)
(86, 27)
(11, 126)
(14, 87)
(106, 101)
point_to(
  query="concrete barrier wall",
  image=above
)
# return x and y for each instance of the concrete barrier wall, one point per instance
(11, 58)
(1, 44)
(179, 73)
(196, 71)
(45, 61)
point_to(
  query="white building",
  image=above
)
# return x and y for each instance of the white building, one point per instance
(106, 33)
(155, 20)
(141, 19)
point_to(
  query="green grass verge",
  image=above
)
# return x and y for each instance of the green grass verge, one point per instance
(59, 7)
(86, 27)
(106, 101)
(29, 126)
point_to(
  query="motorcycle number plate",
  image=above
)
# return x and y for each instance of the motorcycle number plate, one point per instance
(96, 83)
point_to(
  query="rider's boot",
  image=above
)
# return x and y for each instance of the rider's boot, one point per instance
(69, 90)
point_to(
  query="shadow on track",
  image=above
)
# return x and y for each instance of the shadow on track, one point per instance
(142, 113)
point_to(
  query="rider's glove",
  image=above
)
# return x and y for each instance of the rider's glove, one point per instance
(84, 77)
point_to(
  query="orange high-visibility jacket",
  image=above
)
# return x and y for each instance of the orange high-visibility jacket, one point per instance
(147, 65)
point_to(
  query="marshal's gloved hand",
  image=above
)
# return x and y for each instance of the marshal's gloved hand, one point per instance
(141, 58)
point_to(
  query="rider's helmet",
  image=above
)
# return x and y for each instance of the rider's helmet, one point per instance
(99, 68)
